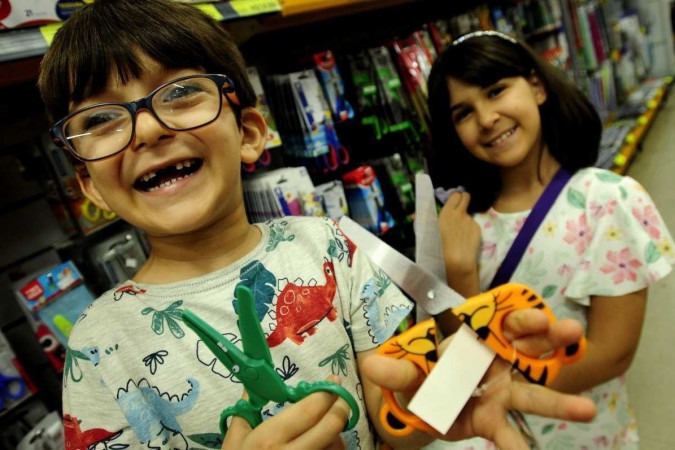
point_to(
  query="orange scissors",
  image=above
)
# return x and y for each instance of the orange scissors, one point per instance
(483, 313)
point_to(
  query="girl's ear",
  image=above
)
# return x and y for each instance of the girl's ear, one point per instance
(89, 188)
(538, 88)
(253, 135)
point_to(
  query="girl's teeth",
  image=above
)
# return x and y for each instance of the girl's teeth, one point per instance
(502, 137)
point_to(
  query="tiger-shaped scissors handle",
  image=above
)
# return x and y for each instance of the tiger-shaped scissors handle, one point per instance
(484, 314)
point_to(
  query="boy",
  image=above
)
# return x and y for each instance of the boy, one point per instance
(169, 164)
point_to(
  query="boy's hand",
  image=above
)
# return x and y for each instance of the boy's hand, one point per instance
(313, 423)
(486, 416)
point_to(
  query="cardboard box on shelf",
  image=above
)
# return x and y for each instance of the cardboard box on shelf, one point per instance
(31, 13)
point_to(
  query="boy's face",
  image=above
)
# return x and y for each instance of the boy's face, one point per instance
(168, 182)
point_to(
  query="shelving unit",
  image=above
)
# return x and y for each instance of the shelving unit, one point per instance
(635, 137)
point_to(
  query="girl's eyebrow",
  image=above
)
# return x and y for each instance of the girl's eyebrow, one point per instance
(456, 106)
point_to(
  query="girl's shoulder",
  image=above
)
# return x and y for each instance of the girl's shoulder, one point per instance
(595, 180)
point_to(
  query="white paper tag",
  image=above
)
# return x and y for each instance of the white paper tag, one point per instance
(441, 397)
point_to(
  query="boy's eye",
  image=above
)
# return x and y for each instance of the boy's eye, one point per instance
(178, 92)
(99, 118)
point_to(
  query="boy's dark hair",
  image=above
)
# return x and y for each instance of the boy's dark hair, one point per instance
(571, 126)
(107, 38)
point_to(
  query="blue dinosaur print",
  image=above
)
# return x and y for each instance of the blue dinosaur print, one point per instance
(277, 235)
(370, 294)
(92, 354)
(153, 415)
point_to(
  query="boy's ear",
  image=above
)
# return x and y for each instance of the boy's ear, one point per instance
(89, 188)
(253, 135)
(538, 88)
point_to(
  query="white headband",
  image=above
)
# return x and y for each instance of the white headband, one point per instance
(474, 34)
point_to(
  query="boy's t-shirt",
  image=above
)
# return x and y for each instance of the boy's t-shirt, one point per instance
(136, 373)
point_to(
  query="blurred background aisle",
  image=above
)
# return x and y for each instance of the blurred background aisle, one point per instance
(651, 387)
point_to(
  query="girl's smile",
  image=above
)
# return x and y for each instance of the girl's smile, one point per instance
(501, 139)
(499, 123)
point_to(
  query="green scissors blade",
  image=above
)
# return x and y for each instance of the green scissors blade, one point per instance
(252, 336)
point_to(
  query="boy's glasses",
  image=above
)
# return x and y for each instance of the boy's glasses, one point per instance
(102, 130)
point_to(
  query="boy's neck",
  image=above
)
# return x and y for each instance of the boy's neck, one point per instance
(179, 258)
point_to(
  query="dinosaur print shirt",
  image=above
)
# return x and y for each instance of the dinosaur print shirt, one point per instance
(602, 236)
(137, 377)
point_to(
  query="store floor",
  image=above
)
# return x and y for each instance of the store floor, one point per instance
(650, 378)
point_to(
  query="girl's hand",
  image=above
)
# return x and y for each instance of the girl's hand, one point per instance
(486, 416)
(460, 237)
(313, 423)
(460, 234)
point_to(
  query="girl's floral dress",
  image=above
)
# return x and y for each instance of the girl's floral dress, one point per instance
(602, 236)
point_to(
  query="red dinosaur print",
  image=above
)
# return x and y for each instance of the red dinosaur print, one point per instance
(352, 248)
(128, 290)
(76, 439)
(301, 308)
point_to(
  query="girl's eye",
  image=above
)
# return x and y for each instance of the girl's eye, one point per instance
(460, 115)
(495, 90)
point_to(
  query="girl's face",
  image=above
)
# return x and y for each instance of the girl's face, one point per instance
(172, 182)
(499, 124)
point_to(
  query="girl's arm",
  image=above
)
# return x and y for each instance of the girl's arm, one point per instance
(614, 327)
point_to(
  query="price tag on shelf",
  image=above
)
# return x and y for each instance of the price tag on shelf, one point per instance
(48, 31)
(210, 10)
(253, 7)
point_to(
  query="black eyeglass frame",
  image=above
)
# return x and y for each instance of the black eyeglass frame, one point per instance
(223, 82)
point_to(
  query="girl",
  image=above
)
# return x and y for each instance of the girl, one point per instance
(512, 130)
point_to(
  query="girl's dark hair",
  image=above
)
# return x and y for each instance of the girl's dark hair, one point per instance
(571, 126)
(107, 38)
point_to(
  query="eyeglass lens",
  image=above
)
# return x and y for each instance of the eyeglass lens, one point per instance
(104, 130)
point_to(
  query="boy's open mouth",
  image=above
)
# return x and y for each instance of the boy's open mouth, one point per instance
(168, 175)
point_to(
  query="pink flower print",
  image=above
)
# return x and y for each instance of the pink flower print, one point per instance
(489, 249)
(621, 265)
(519, 224)
(585, 264)
(565, 270)
(596, 209)
(649, 220)
(602, 209)
(578, 234)
(601, 441)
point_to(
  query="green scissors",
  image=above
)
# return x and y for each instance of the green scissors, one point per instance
(254, 367)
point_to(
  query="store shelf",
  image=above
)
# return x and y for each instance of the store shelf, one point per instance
(634, 138)
(25, 43)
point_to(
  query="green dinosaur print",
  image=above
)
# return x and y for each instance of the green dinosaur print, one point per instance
(172, 315)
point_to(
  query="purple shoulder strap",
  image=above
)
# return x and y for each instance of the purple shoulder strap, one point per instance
(531, 224)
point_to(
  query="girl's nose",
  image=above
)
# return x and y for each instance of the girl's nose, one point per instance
(149, 130)
(487, 117)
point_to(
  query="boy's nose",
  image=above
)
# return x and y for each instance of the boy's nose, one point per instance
(149, 129)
